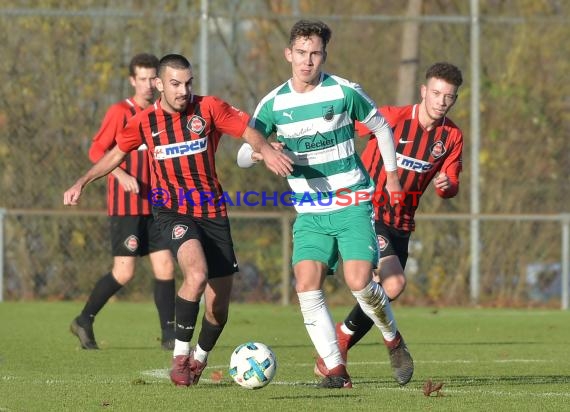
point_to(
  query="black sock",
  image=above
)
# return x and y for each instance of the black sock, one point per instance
(209, 335)
(186, 315)
(105, 287)
(358, 322)
(164, 293)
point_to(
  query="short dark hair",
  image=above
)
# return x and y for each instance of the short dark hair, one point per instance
(146, 60)
(445, 71)
(306, 28)
(174, 61)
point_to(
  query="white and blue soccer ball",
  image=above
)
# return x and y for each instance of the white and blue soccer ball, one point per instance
(253, 365)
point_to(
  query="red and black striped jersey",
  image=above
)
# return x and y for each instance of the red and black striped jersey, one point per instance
(181, 151)
(119, 202)
(420, 155)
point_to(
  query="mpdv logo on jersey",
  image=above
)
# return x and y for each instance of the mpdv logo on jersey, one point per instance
(187, 148)
(409, 163)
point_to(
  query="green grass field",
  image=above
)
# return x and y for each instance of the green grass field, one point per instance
(487, 359)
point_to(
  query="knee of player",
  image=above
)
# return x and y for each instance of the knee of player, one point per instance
(218, 314)
(395, 287)
(164, 272)
(195, 280)
(123, 275)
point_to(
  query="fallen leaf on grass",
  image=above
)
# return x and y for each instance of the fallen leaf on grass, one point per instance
(430, 387)
(216, 376)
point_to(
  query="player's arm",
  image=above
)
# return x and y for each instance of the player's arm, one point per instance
(385, 140)
(447, 181)
(104, 140)
(108, 162)
(275, 160)
(246, 157)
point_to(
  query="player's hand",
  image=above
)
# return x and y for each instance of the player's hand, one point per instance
(394, 188)
(442, 182)
(72, 195)
(128, 182)
(256, 156)
(277, 161)
(277, 146)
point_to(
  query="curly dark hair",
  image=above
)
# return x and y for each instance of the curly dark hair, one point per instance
(445, 71)
(306, 28)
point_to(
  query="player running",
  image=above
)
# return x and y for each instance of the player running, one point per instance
(429, 147)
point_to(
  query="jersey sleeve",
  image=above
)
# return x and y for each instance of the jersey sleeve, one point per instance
(104, 140)
(228, 119)
(262, 119)
(388, 112)
(130, 138)
(360, 106)
(391, 114)
(452, 166)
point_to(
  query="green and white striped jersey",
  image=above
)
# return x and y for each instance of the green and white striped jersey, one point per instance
(317, 128)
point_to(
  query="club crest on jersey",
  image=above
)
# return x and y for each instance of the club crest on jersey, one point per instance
(179, 231)
(132, 243)
(196, 124)
(328, 113)
(437, 149)
(382, 243)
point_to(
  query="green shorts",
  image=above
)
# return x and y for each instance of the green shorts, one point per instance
(348, 231)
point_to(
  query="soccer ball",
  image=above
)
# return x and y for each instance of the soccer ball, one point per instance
(253, 365)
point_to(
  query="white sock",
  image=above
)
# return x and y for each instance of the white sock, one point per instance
(376, 304)
(181, 348)
(320, 326)
(200, 354)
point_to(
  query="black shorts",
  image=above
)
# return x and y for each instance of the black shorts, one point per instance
(392, 241)
(213, 233)
(136, 236)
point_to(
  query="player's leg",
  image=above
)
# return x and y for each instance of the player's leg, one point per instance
(187, 306)
(393, 247)
(357, 323)
(217, 301)
(359, 251)
(125, 245)
(185, 244)
(222, 264)
(311, 249)
(164, 295)
(164, 285)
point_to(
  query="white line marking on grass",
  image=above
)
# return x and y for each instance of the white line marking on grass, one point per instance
(513, 394)
(461, 361)
(157, 373)
(8, 378)
(164, 373)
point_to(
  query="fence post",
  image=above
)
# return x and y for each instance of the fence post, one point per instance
(475, 149)
(2, 214)
(565, 257)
